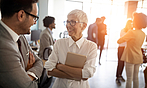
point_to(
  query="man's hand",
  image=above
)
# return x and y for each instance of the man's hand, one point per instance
(32, 78)
(31, 61)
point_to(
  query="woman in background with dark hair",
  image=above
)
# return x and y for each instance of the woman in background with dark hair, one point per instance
(121, 48)
(132, 54)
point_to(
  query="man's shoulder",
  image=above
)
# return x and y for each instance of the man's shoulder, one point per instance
(7, 45)
(92, 26)
(45, 31)
(5, 38)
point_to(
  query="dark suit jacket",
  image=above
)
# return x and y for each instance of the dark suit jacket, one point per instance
(101, 33)
(92, 31)
(12, 65)
(46, 40)
(102, 27)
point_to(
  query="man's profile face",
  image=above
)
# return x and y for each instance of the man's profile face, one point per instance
(29, 20)
(53, 25)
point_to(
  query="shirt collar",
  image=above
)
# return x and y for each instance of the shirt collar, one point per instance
(50, 30)
(11, 32)
(78, 43)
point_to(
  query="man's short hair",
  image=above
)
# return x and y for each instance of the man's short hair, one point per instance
(98, 19)
(48, 20)
(10, 7)
(80, 15)
(103, 17)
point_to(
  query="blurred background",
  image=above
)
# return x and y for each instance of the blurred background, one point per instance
(116, 12)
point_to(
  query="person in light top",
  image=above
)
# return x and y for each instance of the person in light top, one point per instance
(121, 48)
(132, 54)
(67, 76)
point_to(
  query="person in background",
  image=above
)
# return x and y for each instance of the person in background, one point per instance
(92, 31)
(101, 35)
(132, 54)
(46, 39)
(121, 48)
(19, 66)
(67, 76)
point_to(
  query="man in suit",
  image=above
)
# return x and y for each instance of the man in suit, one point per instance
(101, 35)
(92, 31)
(46, 39)
(19, 66)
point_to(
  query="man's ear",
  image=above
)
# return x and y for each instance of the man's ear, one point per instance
(21, 15)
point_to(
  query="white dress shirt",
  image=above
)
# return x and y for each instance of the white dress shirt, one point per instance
(50, 31)
(122, 33)
(58, 55)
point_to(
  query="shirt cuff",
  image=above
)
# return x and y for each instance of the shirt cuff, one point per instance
(47, 73)
(32, 74)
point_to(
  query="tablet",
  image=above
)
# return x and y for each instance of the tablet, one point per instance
(75, 60)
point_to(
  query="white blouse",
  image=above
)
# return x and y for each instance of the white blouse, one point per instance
(122, 33)
(58, 55)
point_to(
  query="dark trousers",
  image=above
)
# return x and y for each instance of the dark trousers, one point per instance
(101, 48)
(145, 75)
(120, 65)
(45, 82)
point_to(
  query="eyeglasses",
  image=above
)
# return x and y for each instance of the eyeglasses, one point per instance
(72, 22)
(35, 17)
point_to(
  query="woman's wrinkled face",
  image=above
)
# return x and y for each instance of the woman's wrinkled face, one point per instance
(74, 27)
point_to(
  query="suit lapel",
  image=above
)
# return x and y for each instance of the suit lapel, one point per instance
(25, 51)
(8, 37)
(52, 41)
(21, 59)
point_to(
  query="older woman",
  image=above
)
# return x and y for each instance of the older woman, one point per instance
(67, 76)
(132, 54)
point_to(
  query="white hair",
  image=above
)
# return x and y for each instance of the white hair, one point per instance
(80, 15)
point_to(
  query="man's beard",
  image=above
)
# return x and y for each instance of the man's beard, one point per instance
(29, 32)
(53, 27)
